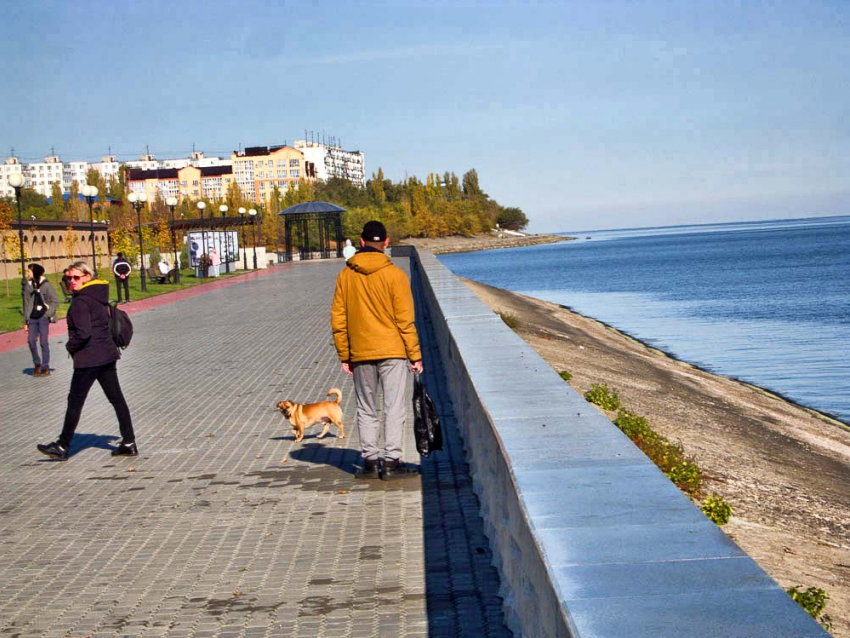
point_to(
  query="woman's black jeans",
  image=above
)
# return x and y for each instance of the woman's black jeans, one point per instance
(81, 383)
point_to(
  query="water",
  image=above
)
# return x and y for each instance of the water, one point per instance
(766, 302)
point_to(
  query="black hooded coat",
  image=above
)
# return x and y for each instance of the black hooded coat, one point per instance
(89, 339)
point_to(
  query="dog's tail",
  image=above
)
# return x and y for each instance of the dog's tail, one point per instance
(337, 393)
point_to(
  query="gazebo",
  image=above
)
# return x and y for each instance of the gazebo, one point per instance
(328, 226)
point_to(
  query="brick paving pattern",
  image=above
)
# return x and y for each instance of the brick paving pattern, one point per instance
(223, 526)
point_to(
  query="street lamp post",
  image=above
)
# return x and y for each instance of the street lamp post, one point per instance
(90, 193)
(253, 214)
(138, 202)
(16, 181)
(201, 207)
(242, 212)
(223, 209)
(172, 203)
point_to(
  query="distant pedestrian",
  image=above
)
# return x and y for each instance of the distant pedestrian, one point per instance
(372, 318)
(40, 304)
(215, 262)
(95, 355)
(121, 268)
(348, 250)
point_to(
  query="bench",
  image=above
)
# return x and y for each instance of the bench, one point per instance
(155, 276)
(66, 291)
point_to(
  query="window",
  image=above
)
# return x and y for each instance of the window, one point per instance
(261, 175)
(194, 182)
(281, 163)
(281, 173)
(295, 173)
(270, 163)
(294, 162)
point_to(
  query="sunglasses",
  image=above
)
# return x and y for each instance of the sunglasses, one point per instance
(76, 277)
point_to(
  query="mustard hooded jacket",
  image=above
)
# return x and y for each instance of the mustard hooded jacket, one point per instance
(372, 316)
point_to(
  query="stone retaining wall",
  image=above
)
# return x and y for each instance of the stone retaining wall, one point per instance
(590, 538)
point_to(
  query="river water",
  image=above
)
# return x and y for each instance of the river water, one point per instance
(765, 302)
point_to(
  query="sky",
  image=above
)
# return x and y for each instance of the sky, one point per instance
(587, 115)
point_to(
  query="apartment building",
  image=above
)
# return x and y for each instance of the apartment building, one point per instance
(10, 166)
(333, 161)
(149, 162)
(205, 182)
(107, 167)
(258, 169)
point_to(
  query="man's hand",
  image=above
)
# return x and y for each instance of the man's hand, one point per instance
(346, 367)
(26, 328)
(416, 366)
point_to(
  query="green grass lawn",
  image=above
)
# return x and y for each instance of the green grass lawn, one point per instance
(10, 305)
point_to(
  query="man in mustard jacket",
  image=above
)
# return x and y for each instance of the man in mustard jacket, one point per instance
(375, 337)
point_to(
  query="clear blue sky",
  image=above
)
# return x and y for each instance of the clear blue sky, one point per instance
(597, 114)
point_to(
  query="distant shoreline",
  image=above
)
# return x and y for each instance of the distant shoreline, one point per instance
(463, 244)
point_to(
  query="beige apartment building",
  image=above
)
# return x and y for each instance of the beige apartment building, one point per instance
(258, 169)
(204, 182)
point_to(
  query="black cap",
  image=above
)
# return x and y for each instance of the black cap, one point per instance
(374, 231)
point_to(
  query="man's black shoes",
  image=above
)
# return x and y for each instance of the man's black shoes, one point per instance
(53, 450)
(126, 449)
(396, 469)
(371, 470)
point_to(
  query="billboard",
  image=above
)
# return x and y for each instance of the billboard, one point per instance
(226, 242)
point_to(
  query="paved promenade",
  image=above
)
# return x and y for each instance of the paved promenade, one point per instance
(223, 526)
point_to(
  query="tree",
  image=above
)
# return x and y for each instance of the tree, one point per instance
(7, 238)
(56, 208)
(94, 178)
(512, 218)
(470, 184)
(375, 186)
(71, 243)
(115, 188)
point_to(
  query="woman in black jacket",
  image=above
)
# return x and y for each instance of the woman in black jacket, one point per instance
(94, 353)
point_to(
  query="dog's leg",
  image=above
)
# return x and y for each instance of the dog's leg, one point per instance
(325, 426)
(338, 423)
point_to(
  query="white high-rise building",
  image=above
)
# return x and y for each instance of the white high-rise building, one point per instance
(198, 159)
(10, 166)
(107, 167)
(40, 176)
(334, 161)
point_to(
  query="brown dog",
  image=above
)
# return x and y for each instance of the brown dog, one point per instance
(303, 415)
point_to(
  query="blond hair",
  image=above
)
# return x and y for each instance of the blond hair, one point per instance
(83, 267)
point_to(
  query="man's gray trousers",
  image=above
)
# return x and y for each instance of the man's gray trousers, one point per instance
(391, 374)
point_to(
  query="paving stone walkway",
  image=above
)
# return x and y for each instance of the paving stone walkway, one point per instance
(223, 526)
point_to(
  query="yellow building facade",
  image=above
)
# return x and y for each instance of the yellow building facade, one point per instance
(258, 169)
(206, 182)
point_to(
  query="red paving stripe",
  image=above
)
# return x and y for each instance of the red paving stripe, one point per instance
(18, 338)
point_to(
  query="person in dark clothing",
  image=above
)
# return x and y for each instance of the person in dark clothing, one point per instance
(121, 268)
(95, 355)
(40, 304)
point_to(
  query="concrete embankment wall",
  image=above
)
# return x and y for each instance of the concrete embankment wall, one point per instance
(590, 538)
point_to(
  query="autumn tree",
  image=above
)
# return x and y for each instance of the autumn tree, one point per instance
(512, 218)
(56, 208)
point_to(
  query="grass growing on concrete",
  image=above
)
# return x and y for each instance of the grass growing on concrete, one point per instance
(813, 600)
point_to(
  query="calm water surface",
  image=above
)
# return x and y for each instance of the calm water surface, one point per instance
(767, 302)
